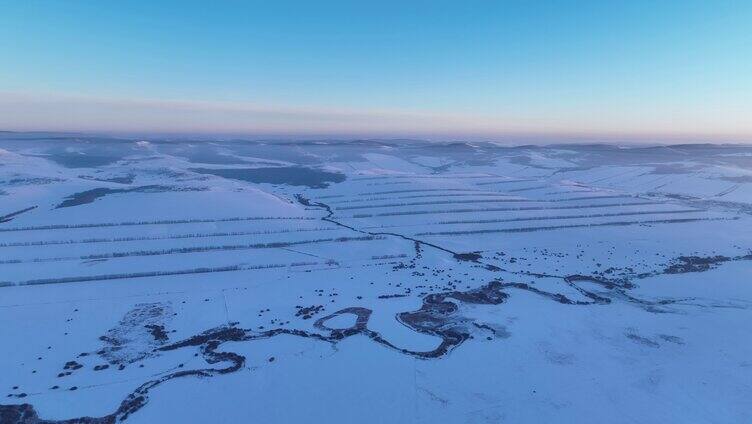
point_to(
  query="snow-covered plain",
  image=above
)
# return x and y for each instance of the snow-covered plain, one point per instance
(373, 282)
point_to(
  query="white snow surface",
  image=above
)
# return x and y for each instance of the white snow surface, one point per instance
(373, 282)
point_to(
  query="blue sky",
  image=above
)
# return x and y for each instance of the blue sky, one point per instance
(645, 69)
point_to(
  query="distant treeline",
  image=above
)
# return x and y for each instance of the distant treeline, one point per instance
(85, 278)
(10, 216)
(483, 194)
(388, 183)
(195, 249)
(417, 190)
(545, 218)
(505, 182)
(440, 202)
(161, 222)
(415, 196)
(527, 189)
(401, 255)
(558, 227)
(429, 176)
(531, 208)
(614, 196)
(155, 238)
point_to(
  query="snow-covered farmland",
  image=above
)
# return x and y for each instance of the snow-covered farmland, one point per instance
(372, 282)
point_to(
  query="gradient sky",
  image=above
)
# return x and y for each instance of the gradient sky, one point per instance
(436, 69)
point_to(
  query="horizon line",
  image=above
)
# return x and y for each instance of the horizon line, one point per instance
(509, 140)
(55, 112)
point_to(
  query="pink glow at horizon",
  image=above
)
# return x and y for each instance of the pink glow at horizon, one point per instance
(56, 112)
